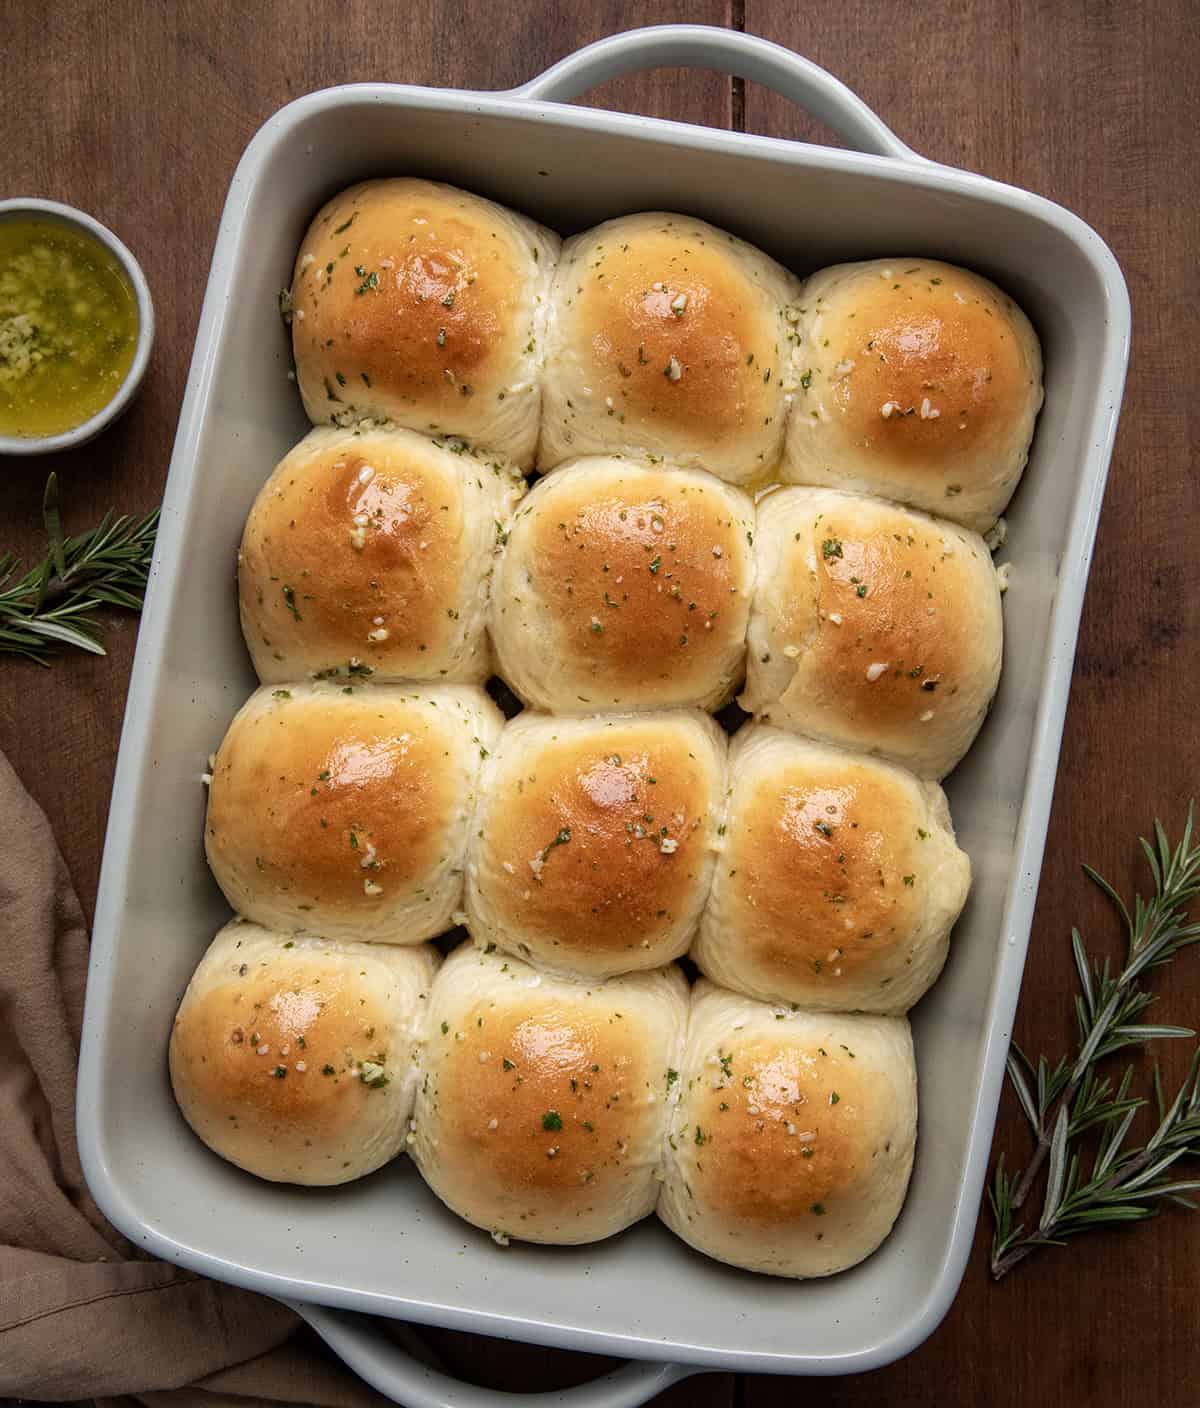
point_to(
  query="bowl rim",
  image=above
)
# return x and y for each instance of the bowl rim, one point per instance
(86, 430)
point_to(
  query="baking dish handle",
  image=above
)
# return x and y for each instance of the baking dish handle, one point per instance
(403, 1378)
(727, 51)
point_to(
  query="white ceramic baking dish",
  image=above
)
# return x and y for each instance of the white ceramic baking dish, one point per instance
(384, 1246)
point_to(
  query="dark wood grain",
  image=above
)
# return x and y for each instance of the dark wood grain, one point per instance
(141, 113)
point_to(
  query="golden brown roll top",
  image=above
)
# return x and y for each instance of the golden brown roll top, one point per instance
(542, 1104)
(625, 585)
(792, 1141)
(293, 1056)
(918, 381)
(594, 840)
(422, 304)
(838, 879)
(369, 552)
(874, 627)
(345, 810)
(668, 336)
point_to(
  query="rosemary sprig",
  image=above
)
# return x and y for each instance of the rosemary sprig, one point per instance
(1124, 1183)
(52, 604)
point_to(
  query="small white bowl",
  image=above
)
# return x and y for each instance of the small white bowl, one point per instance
(29, 208)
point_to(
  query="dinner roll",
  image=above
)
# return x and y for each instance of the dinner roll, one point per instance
(292, 1056)
(873, 626)
(595, 839)
(918, 381)
(792, 1141)
(542, 1105)
(668, 336)
(422, 304)
(345, 810)
(838, 882)
(370, 552)
(625, 586)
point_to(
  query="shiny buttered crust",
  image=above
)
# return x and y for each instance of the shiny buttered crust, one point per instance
(625, 585)
(874, 626)
(918, 381)
(595, 839)
(293, 1057)
(669, 336)
(371, 550)
(425, 305)
(792, 1142)
(345, 810)
(542, 1104)
(839, 879)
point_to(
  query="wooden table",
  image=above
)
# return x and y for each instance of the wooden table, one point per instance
(138, 112)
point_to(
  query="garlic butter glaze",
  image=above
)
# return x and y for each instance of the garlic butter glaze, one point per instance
(672, 338)
(344, 809)
(69, 326)
(425, 305)
(917, 381)
(369, 552)
(838, 879)
(542, 1104)
(874, 627)
(595, 839)
(292, 1056)
(625, 585)
(792, 1143)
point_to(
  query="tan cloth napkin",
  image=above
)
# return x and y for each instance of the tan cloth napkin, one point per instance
(82, 1315)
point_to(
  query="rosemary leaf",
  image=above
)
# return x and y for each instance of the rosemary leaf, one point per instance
(1127, 1182)
(1016, 1061)
(52, 604)
(69, 635)
(52, 518)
